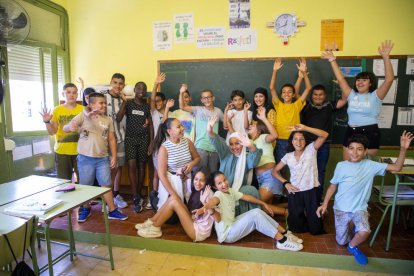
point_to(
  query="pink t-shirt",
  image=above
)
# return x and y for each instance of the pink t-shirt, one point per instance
(204, 224)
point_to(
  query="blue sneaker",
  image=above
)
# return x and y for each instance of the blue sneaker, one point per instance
(360, 257)
(115, 214)
(83, 214)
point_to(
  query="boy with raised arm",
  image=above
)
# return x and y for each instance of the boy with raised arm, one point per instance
(353, 178)
(65, 143)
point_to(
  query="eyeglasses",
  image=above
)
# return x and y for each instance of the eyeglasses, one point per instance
(206, 98)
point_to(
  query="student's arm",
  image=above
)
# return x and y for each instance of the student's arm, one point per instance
(261, 114)
(121, 113)
(226, 115)
(158, 80)
(276, 67)
(47, 117)
(308, 84)
(168, 105)
(329, 193)
(246, 115)
(343, 84)
(194, 156)
(276, 174)
(214, 201)
(405, 142)
(254, 200)
(384, 50)
(340, 103)
(162, 171)
(151, 134)
(187, 108)
(322, 135)
(73, 125)
(298, 83)
(229, 123)
(112, 147)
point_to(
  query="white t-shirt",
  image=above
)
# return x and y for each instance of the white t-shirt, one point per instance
(238, 121)
(303, 172)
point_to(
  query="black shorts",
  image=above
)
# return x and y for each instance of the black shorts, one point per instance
(137, 148)
(372, 132)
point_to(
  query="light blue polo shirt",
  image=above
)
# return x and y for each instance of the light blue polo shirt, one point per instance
(363, 109)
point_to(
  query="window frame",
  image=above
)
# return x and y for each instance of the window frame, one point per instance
(55, 52)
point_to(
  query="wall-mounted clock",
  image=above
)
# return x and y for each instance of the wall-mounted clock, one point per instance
(286, 24)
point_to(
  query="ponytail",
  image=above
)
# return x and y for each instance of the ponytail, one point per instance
(161, 134)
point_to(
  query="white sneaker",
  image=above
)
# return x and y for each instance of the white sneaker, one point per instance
(150, 232)
(289, 245)
(148, 205)
(292, 237)
(146, 224)
(120, 202)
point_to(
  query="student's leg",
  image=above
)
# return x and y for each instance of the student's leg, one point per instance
(64, 166)
(132, 175)
(213, 161)
(245, 206)
(174, 204)
(103, 175)
(342, 220)
(322, 160)
(248, 222)
(315, 224)
(362, 228)
(116, 174)
(296, 219)
(155, 178)
(268, 187)
(141, 176)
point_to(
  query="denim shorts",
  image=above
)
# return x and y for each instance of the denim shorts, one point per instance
(267, 181)
(94, 167)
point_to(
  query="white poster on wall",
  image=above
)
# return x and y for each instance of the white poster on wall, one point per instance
(392, 93)
(385, 117)
(405, 116)
(184, 28)
(410, 66)
(162, 36)
(241, 40)
(239, 14)
(379, 70)
(211, 37)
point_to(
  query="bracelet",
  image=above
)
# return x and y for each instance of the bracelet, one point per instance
(332, 59)
(46, 122)
(285, 183)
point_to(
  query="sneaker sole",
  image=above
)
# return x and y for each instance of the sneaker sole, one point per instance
(291, 249)
(114, 218)
(150, 236)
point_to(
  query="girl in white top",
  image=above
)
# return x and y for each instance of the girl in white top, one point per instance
(198, 228)
(302, 163)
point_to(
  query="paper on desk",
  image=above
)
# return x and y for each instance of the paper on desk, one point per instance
(407, 161)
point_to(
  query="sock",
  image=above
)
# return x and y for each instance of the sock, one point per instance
(282, 240)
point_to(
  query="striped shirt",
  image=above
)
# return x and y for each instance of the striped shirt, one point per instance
(178, 154)
(113, 105)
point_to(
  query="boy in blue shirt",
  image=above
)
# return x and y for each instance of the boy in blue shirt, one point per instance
(354, 178)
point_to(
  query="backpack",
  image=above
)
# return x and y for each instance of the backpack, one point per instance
(21, 269)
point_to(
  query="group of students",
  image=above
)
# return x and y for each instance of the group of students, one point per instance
(262, 138)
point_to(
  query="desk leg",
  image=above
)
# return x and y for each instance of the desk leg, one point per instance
(107, 233)
(49, 249)
(394, 202)
(71, 239)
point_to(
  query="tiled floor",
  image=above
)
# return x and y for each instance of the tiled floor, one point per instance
(402, 246)
(144, 262)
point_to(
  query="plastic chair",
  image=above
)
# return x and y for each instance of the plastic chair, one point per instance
(16, 239)
(385, 203)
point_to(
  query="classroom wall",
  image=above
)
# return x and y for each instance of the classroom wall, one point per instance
(108, 36)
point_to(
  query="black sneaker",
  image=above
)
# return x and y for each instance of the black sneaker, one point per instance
(138, 204)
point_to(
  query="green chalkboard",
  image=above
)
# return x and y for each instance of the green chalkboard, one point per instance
(223, 76)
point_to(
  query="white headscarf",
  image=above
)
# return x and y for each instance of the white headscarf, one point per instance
(240, 166)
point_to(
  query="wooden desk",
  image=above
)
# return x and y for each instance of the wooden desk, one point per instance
(70, 200)
(27, 186)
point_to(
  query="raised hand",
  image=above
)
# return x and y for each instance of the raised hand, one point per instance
(247, 106)
(204, 194)
(302, 66)
(328, 55)
(46, 115)
(211, 122)
(228, 106)
(278, 64)
(244, 140)
(385, 48)
(297, 127)
(170, 103)
(406, 139)
(160, 78)
(183, 88)
(261, 113)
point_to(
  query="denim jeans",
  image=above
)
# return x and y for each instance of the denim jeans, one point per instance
(91, 167)
(323, 157)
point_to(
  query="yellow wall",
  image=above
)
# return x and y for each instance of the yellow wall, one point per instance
(108, 36)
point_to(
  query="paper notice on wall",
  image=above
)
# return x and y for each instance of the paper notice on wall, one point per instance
(184, 28)
(41, 146)
(239, 14)
(350, 71)
(332, 34)
(392, 93)
(162, 35)
(22, 152)
(411, 93)
(386, 116)
(241, 40)
(378, 67)
(211, 37)
(410, 66)
(405, 116)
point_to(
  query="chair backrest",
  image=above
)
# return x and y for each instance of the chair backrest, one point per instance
(16, 238)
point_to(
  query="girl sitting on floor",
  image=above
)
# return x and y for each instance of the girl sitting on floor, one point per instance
(198, 228)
